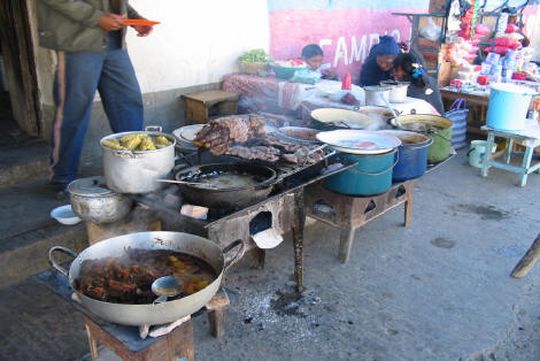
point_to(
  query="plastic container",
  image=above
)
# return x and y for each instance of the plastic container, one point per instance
(508, 105)
(477, 151)
(283, 72)
(65, 215)
(412, 154)
(372, 175)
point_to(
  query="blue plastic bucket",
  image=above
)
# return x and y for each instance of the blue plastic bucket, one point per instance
(508, 106)
(412, 156)
(372, 175)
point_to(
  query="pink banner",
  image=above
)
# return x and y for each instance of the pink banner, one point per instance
(346, 35)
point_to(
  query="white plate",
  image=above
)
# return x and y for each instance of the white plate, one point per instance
(359, 141)
(65, 215)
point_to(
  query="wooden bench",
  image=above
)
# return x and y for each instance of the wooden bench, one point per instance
(200, 106)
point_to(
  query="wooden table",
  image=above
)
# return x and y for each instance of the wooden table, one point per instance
(476, 103)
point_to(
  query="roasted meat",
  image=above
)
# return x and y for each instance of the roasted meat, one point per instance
(219, 134)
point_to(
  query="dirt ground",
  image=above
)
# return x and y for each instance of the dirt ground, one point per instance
(438, 290)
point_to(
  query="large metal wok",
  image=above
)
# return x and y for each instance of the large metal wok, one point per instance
(150, 314)
(226, 196)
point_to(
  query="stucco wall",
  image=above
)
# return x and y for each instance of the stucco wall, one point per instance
(197, 42)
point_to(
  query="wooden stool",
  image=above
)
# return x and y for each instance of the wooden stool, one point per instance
(199, 106)
(178, 344)
(349, 213)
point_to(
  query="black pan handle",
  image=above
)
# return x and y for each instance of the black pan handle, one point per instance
(55, 264)
(237, 257)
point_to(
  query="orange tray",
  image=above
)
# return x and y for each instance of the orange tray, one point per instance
(140, 22)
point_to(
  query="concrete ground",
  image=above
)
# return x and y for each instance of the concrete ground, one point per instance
(439, 290)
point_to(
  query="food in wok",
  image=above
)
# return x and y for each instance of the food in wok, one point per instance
(129, 280)
(137, 142)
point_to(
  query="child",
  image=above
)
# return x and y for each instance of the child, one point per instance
(313, 55)
(407, 67)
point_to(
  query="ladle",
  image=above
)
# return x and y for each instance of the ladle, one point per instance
(165, 287)
(197, 184)
(388, 106)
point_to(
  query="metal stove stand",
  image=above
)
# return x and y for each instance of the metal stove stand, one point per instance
(349, 213)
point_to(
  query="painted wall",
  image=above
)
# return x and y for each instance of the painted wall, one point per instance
(345, 29)
(197, 42)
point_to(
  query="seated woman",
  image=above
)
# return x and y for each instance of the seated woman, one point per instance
(313, 55)
(378, 65)
(408, 67)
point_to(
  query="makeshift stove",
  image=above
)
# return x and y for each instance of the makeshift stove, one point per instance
(169, 342)
(261, 225)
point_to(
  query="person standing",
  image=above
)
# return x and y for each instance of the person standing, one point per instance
(89, 39)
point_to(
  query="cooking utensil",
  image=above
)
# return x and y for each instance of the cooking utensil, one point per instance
(439, 128)
(340, 118)
(355, 141)
(300, 135)
(226, 196)
(374, 93)
(398, 91)
(136, 171)
(165, 287)
(95, 203)
(150, 314)
(140, 22)
(389, 107)
(196, 184)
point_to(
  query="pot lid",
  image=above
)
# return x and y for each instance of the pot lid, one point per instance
(187, 133)
(90, 187)
(359, 141)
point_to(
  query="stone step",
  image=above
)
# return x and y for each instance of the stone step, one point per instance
(27, 254)
(24, 163)
(27, 231)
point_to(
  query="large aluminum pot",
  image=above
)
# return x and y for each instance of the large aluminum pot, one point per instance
(136, 172)
(398, 91)
(157, 313)
(377, 95)
(92, 202)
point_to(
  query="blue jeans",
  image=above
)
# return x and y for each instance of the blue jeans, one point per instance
(78, 76)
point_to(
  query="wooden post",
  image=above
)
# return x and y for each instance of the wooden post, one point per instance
(529, 260)
(216, 313)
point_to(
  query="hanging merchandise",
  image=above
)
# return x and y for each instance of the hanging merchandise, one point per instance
(502, 25)
(454, 15)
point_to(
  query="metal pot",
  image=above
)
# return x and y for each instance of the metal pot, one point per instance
(150, 314)
(94, 203)
(437, 127)
(398, 91)
(136, 171)
(227, 197)
(376, 95)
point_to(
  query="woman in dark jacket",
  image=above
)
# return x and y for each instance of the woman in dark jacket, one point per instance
(378, 65)
(408, 67)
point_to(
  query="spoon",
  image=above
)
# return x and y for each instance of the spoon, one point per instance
(389, 107)
(165, 287)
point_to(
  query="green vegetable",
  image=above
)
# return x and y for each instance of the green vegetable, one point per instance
(256, 56)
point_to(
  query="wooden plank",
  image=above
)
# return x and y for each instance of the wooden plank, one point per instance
(528, 261)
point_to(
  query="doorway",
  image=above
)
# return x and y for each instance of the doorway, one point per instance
(20, 114)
